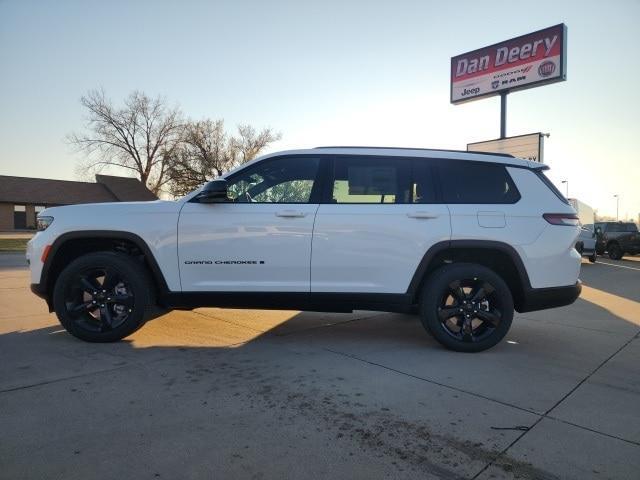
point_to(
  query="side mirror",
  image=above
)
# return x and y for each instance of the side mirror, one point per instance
(214, 192)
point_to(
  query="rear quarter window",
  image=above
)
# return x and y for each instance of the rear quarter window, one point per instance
(476, 182)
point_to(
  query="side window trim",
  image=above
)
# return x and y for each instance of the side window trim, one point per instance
(432, 173)
(319, 189)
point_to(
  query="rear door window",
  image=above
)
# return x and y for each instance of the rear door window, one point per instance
(476, 182)
(371, 180)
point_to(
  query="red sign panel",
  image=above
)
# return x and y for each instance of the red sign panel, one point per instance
(528, 61)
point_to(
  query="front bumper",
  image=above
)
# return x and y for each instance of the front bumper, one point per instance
(543, 298)
(40, 290)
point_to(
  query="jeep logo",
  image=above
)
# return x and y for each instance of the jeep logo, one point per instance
(470, 91)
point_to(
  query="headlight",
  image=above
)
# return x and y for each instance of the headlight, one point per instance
(43, 223)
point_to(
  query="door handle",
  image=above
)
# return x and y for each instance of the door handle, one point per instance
(290, 214)
(426, 215)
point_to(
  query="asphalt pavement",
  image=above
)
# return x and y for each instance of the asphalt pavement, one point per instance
(221, 393)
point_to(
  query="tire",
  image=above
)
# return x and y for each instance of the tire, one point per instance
(448, 293)
(579, 248)
(615, 252)
(593, 257)
(102, 297)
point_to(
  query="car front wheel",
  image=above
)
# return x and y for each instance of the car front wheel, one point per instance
(467, 307)
(102, 297)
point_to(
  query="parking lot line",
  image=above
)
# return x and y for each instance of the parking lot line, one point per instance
(619, 266)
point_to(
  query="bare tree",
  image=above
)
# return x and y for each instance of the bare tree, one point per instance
(142, 136)
(207, 151)
(249, 143)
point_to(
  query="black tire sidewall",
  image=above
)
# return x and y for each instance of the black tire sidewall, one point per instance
(432, 293)
(615, 252)
(128, 269)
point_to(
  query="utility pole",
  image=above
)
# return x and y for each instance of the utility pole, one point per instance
(567, 182)
(617, 205)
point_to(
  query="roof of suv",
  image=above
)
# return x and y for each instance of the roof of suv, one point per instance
(619, 222)
(415, 152)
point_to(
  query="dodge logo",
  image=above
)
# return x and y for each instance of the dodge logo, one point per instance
(495, 84)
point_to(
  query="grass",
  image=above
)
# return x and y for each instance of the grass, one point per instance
(13, 245)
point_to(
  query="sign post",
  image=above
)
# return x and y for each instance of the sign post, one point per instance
(503, 114)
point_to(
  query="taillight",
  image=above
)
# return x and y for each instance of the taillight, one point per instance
(568, 219)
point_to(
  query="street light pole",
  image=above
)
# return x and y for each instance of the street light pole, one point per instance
(617, 205)
(567, 182)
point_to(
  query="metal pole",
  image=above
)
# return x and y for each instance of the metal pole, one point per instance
(503, 115)
(617, 205)
(567, 188)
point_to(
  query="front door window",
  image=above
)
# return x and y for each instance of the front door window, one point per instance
(283, 180)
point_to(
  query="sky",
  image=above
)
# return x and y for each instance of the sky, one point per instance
(326, 73)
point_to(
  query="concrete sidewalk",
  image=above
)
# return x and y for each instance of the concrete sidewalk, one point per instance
(271, 394)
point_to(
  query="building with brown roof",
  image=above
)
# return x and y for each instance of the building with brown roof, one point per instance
(21, 198)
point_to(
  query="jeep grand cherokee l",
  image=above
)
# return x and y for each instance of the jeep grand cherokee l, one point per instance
(464, 239)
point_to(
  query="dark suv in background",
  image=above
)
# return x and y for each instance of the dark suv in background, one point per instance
(617, 238)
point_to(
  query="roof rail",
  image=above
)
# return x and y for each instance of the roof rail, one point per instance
(424, 149)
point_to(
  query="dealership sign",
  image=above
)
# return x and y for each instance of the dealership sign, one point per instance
(529, 147)
(528, 61)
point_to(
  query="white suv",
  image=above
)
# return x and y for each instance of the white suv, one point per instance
(462, 238)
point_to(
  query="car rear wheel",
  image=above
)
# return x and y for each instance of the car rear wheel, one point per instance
(102, 297)
(593, 257)
(467, 307)
(615, 252)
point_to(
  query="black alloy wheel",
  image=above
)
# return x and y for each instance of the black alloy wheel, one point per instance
(99, 299)
(467, 307)
(102, 297)
(469, 310)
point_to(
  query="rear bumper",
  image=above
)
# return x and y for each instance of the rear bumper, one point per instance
(588, 251)
(543, 298)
